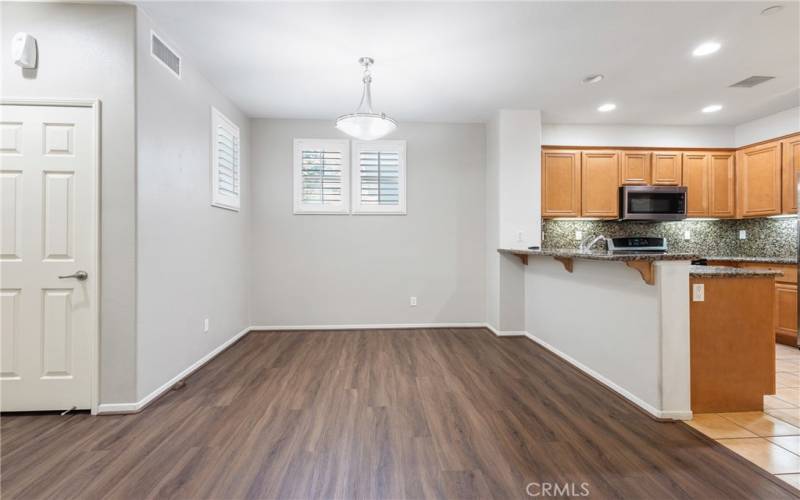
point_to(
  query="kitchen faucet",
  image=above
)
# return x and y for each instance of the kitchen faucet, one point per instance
(587, 245)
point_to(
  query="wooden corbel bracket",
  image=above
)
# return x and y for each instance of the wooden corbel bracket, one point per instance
(566, 262)
(523, 257)
(645, 268)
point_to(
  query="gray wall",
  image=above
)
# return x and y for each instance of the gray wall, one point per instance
(193, 258)
(87, 51)
(362, 269)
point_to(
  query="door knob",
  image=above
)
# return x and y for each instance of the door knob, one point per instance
(79, 275)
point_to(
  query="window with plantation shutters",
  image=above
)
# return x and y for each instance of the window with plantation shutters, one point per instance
(226, 181)
(321, 176)
(379, 177)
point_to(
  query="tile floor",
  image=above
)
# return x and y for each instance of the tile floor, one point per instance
(770, 439)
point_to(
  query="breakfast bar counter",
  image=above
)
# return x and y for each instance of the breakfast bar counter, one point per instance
(640, 261)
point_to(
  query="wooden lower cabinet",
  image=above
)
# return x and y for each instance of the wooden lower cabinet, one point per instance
(600, 180)
(732, 344)
(785, 311)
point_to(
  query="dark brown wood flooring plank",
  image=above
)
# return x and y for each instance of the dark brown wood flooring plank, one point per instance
(436, 413)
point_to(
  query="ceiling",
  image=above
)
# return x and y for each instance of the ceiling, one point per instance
(460, 61)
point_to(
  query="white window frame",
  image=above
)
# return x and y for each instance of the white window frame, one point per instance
(221, 200)
(398, 146)
(343, 207)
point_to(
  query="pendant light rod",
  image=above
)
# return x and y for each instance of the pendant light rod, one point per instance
(365, 106)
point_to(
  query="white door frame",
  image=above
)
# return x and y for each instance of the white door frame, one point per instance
(94, 267)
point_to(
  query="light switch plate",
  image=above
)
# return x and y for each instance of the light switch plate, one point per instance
(687, 235)
(412, 301)
(742, 234)
(698, 292)
(579, 235)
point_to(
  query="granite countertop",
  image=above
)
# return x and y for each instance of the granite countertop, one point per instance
(730, 272)
(571, 253)
(766, 260)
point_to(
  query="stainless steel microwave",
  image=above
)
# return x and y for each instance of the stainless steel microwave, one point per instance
(653, 203)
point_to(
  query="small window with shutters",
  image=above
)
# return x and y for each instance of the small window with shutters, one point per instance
(321, 180)
(379, 177)
(226, 176)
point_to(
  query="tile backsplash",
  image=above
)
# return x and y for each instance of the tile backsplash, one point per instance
(766, 237)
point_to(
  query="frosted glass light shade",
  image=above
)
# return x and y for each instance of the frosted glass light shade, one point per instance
(366, 126)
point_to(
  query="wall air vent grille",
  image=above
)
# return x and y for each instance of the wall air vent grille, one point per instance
(752, 81)
(165, 55)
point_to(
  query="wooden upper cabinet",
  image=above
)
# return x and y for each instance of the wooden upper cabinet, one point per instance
(696, 168)
(791, 173)
(600, 181)
(758, 180)
(666, 169)
(561, 183)
(634, 168)
(721, 185)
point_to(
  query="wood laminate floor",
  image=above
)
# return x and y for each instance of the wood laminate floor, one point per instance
(374, 414)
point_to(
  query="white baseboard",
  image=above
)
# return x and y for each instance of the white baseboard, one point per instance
(507, 333)
(111, 408)
(389, 326)
(669, 415)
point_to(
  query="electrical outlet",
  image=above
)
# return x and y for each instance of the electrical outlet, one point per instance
(742, 234)
(413, 302)
(519, 236)
(698, 292)
(579, 235)
(687, 235)
(205, 325)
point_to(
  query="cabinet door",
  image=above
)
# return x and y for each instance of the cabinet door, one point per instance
(561, 183)
(758, 180)
(600, 184)
(666, 168)
(791, 173)
(696, 180)
(722, 185)
(635, 168)
(786, 313)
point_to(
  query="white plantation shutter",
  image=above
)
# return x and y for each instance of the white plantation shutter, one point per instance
(321, 176)
(225, 162)
(379, 183)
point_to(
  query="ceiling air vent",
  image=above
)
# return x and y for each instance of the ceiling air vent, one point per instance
(752, 81)
(165, 55)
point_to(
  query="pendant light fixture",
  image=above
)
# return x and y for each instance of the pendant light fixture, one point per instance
(365, 124)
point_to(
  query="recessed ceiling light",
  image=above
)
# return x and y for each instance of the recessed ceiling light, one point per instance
(772, 10)
(609, 106)
(712, 108)
(593, 78)
(706, 48)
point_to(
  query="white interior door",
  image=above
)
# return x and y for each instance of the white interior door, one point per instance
(48, 194)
